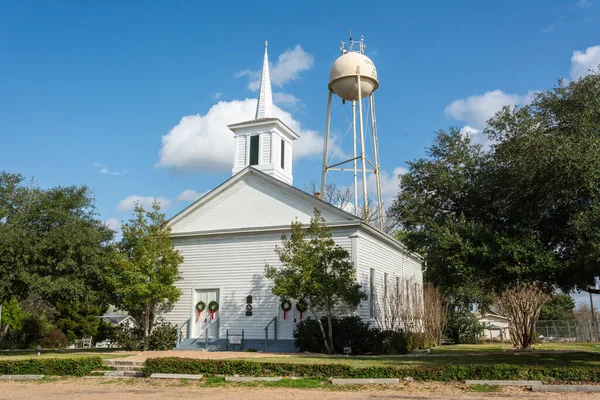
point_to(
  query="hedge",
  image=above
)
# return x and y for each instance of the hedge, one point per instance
(51, 366)
(447, 373)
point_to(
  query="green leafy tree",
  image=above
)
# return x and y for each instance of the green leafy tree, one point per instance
(317, 271)
(143, 272)
(524, 211)
(53, 247)
(560, 307)
(12, 317)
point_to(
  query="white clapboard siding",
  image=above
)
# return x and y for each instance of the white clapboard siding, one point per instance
(265, 152)
(383, 258)
(235, 265)
(288, 157)
(277, 150)
(240, 151)
(255, 200)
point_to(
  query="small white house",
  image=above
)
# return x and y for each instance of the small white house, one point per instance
(227, 237)
(495, 326)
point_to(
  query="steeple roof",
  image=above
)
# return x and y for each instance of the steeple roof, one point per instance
(264, 107)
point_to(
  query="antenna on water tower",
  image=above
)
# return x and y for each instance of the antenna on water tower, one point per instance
(353, 77)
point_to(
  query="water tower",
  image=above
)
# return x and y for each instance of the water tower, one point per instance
(353, 78)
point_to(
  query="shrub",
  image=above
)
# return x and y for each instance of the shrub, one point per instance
(130, 339)
(463, 327)
(33, 330)
(55, 339)
(447, 373)
(51, 366)
(162, 337)
(347, 332)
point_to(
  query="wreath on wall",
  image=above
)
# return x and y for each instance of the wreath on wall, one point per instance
(286, 306)
(200, 306)
(213, 307)
(301, 306)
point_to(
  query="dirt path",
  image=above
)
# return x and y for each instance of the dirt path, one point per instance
(100, 389)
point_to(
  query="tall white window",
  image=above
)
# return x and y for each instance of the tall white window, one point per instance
(372, 293)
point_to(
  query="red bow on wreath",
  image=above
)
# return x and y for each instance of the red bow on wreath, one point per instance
(200, 306)
(213, 307)
(286, 306)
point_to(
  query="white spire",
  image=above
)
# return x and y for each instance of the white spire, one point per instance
(264, 108)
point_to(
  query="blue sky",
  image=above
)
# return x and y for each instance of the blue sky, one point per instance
(88, 90)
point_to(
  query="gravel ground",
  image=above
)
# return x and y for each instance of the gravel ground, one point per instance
(96, 389)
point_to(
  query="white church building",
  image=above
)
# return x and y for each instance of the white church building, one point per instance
(227, 237)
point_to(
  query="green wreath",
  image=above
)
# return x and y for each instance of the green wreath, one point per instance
(286, 305)
(301, 306)
(213, 306)
(200, 306)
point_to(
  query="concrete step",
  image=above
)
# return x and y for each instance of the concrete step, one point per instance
(124, 362)
(132, 374)
(128, 367)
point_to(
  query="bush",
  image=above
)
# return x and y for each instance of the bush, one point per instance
(51, 366)
(447, 373)
(347, 332)
(162, 337)
(353, 332)
(34, 329)
(130, 339)
(55, 339)
(463, 327)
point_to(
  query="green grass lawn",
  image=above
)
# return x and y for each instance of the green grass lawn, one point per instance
(559, 354)
(79, 353)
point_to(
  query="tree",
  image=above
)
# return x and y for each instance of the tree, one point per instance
(522, 304)
(524, 211)
(317, 271)
(558, 308)
(53, 247)
(142, 274)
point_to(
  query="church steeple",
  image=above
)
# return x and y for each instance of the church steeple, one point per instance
(264, 143)
(264, 107)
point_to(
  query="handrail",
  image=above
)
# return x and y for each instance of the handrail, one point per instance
(179, 331)
(205, 333)
(274, 320)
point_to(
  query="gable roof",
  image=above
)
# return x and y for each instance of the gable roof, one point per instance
(250, 174)
(182, 224)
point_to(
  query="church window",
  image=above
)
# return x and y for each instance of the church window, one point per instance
(282, 154)
(372, 293)
(254, 150)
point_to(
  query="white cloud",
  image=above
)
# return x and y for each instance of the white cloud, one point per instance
(478, 109)
(217, 95)
(286, 99)
(204, 141)
(113, 224)
(145, 201)
(105, 171)
(390, 185)
(584, 61)
(288, 67)
(190, 195)
(584, 3)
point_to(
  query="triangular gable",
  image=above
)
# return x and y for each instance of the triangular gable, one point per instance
(253, 199)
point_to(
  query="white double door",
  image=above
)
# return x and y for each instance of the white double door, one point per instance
(204, 320)
(286, 325)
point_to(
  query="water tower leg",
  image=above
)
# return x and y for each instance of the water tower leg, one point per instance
(326, 145)
(354, 157)
(362, 150)
(376, 154)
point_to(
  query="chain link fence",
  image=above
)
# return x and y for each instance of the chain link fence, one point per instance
(568, 331)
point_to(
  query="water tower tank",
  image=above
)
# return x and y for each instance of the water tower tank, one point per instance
(343, 73)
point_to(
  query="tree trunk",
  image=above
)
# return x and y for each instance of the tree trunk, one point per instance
(322, 330)
(146, 324)
(331, 348)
